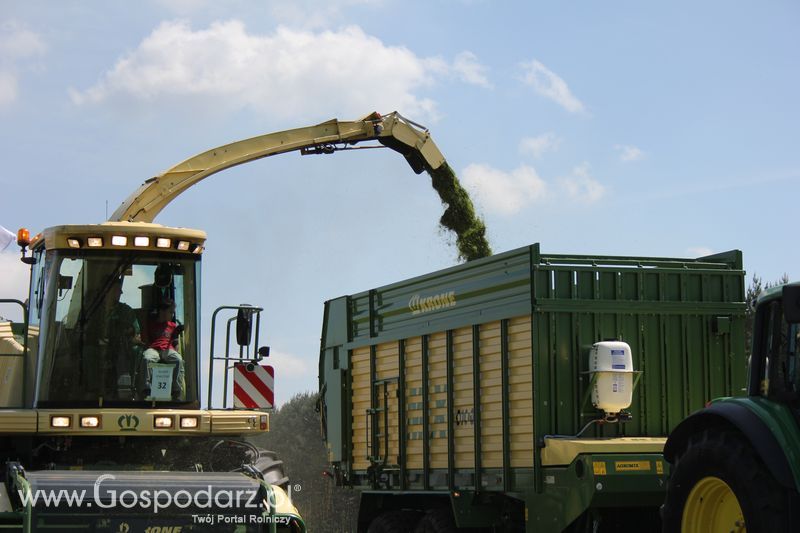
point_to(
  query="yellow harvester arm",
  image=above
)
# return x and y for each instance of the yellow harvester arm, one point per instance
(392, 131)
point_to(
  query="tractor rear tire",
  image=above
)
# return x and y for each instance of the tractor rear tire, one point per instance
(437, 521)
(718, 483)
(271, 468)
(394, 522)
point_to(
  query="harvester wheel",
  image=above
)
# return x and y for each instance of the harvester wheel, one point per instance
(719, 484)
(272, 468)
(437, 521)
(394, 522)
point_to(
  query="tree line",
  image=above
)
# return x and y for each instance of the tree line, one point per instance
(295, 435)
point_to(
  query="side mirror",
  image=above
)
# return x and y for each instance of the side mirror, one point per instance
(791, 303)
(263, 352)
(64, 284)
(244, 327)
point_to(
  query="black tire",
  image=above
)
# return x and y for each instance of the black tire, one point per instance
(394, 522)
(437, 521)
(725, 454)
(271, 468)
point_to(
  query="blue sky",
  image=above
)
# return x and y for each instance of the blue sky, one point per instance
(596, 128)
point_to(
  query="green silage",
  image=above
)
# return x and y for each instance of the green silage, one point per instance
(459, 215)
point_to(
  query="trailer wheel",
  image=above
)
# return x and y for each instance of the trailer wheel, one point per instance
(394, 522)
(271, 467)
(437, 521)
(718, 484)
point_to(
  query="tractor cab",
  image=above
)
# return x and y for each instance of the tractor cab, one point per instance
(775, 364)
(113, 311)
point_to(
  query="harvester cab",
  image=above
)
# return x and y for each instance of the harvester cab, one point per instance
(115, 305)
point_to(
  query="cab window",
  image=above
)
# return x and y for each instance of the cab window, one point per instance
(780, 376)
(119, 328)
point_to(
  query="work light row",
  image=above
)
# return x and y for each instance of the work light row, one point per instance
(93, 421)
(138, 241)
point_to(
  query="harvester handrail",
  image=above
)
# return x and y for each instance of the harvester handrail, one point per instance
(255, 357)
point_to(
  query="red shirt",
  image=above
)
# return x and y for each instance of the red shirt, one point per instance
(160, 334)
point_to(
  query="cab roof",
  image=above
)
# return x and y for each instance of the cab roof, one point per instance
(76, 236)
(774, 292)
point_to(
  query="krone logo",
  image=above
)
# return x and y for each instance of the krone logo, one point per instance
(128, 422)
(423, 304)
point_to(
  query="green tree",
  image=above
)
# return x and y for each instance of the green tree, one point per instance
(295, 435)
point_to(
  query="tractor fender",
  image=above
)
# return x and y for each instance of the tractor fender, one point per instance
(749, 424)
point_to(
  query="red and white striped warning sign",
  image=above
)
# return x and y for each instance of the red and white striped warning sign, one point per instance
(253, 389)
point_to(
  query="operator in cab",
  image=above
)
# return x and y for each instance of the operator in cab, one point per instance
(162, 336)
(122, 338)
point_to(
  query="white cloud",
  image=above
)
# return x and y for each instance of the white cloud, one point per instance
(550, 85)
(581, 186)
(288, 365)
(628, 152)
(469, 70)
(288, 73)
(17, 43)
(699, 251)
(536, 146)
(504, 192)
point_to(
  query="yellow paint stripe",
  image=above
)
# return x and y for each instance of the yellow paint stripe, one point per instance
(563, 451)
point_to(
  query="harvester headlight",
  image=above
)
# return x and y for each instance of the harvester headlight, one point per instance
(90, 421)
(119, 240)
(189, 422)
(141, 241)
(72, 242)
(163, 422)
(183, 246)
(161, 242)
(196, 249)
(94, 242)
(60, 421)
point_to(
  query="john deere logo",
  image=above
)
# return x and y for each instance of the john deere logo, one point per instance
(128, 422)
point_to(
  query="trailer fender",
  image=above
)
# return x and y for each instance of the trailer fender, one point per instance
(749, 424)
